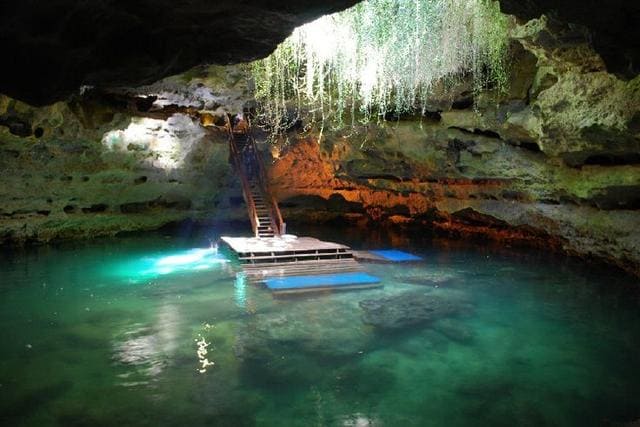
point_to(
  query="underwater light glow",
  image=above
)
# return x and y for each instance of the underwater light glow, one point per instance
(193, 259)
(189, 260)
(193, 256)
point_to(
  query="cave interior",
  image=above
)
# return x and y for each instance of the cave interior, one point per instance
(503, 128)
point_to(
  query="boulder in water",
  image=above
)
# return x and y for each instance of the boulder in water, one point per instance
(408, 309)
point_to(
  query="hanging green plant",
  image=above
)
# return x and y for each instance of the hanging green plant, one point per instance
(380, 56)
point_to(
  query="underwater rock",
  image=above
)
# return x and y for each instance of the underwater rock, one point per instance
(365, 378)
(454, 330)
(16, 408)
(409, 309)
(434, 280)
(315, 329)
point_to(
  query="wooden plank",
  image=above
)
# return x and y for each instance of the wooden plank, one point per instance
(277, 244)
(307, 270)
(296, 252)
(337, 255)
(302, 263)
(287, 270)
(260, 276)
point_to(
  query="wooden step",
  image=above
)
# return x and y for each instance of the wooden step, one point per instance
(328, 262)
(297, 269)
(292, 261)
(342, 250)
(301, 270)
(292, 258)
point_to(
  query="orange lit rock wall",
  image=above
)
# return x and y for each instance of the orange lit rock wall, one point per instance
(485, 190)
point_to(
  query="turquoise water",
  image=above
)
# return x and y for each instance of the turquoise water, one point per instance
(161, 330)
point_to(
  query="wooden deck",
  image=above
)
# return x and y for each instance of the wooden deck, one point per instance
(286, 243)
(272, 257)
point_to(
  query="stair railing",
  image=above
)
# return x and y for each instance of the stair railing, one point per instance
(246, 188)
(276, 216)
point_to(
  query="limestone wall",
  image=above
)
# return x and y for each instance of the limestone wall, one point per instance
(553, 163)
(84, 173)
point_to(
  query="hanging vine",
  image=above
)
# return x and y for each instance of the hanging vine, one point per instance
(380, 56)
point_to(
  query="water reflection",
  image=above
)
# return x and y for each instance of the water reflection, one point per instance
(240, 290)
(202, 352)
(148, 350)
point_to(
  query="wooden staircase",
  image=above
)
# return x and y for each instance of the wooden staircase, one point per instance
(263, 213)
(263, 210)
(271, 254)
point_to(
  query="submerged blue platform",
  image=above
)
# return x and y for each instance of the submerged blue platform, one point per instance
(322, 282)
(393, 255)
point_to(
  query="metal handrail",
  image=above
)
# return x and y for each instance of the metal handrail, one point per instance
(246, 188)
(275, 209)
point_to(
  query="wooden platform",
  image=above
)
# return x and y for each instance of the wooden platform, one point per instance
(290, 256)
(248, 245)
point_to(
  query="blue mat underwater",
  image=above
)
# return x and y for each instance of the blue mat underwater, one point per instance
(394, 255)
(320, 281)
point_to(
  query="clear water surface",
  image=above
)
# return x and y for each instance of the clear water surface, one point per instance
(156, 330)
